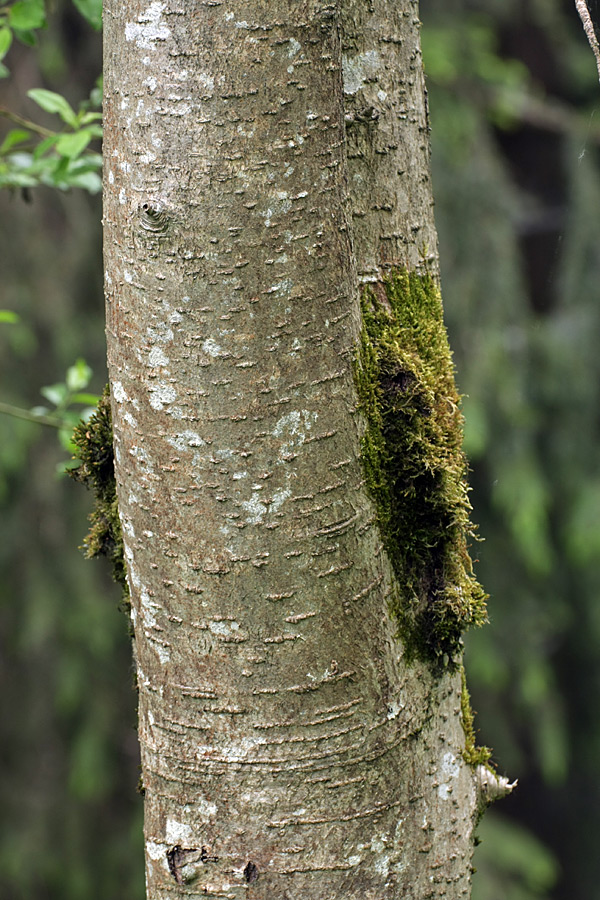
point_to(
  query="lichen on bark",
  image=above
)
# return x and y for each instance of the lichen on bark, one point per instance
(94, 442)
(414, 466)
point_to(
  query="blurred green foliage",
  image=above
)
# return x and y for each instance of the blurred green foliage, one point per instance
(70, 815)
(33, 154)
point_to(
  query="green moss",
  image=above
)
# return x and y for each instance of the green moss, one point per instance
(94, 442)
(472, 754)
(414, 466)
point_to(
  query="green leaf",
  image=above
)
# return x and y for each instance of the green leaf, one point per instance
(14, 137)
(96, 92)
(89, 181)
(67, 466)
(17, 179)
(70, 418)
(39, 410)
(21, 159)
(92, 399)
(91, 117)
(92, 11)
(55, 393)
(54, 103)
(4, 72)
(72, 145)
(7, 315)
(27, 14)
(78, 377)
(64, 436)
(29, 38)
(5, 41)
(44, 146)
(89, 411)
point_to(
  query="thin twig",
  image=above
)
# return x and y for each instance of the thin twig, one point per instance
(588, 27)
(26, 123)
(19, 413)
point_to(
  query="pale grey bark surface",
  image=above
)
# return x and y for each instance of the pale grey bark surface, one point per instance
(261, 160)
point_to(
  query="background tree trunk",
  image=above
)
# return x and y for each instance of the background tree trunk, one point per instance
(287, 748)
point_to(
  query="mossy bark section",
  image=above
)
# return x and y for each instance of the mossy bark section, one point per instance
(414, 466)
(473, 754)
(94, 442)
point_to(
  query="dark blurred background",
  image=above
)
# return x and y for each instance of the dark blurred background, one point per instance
(515, 114)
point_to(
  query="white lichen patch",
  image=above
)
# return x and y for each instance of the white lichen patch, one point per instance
(211, 347)
(450, 770)
(181, 109)
(159, 334)
(178, 833)
(119, 393)
(226, 629)
(293, 428)
(255, 509)
(155, 851)
(157, 357)
(205, 810)
(357, 70)
(236, 751)
(394, 709)
(185, 439)
(263, 796)
(278, 205)
(206, 82)
(141, 455)
(279, 497)
(163, 654)
(149, 28)
(149, 607)
(281, 288)
(161, 395)
(294, 47)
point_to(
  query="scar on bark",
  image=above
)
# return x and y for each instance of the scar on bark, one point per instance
(250, 872)
(183, 862)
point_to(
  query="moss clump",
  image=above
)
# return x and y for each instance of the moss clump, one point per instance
(472, 754)
(414, 466)
(94, 442)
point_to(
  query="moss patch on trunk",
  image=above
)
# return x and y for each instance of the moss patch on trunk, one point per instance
(414, 465)
(94, 442)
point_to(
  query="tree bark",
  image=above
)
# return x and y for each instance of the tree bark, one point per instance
(261, 161)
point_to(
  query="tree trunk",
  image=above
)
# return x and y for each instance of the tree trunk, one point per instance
(262, 161)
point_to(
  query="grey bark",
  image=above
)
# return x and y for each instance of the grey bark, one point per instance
(261, 161)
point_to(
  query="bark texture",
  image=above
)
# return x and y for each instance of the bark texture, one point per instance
(261, 161)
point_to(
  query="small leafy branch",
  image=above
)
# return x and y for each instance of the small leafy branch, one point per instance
(69, 404)
(31, 154)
